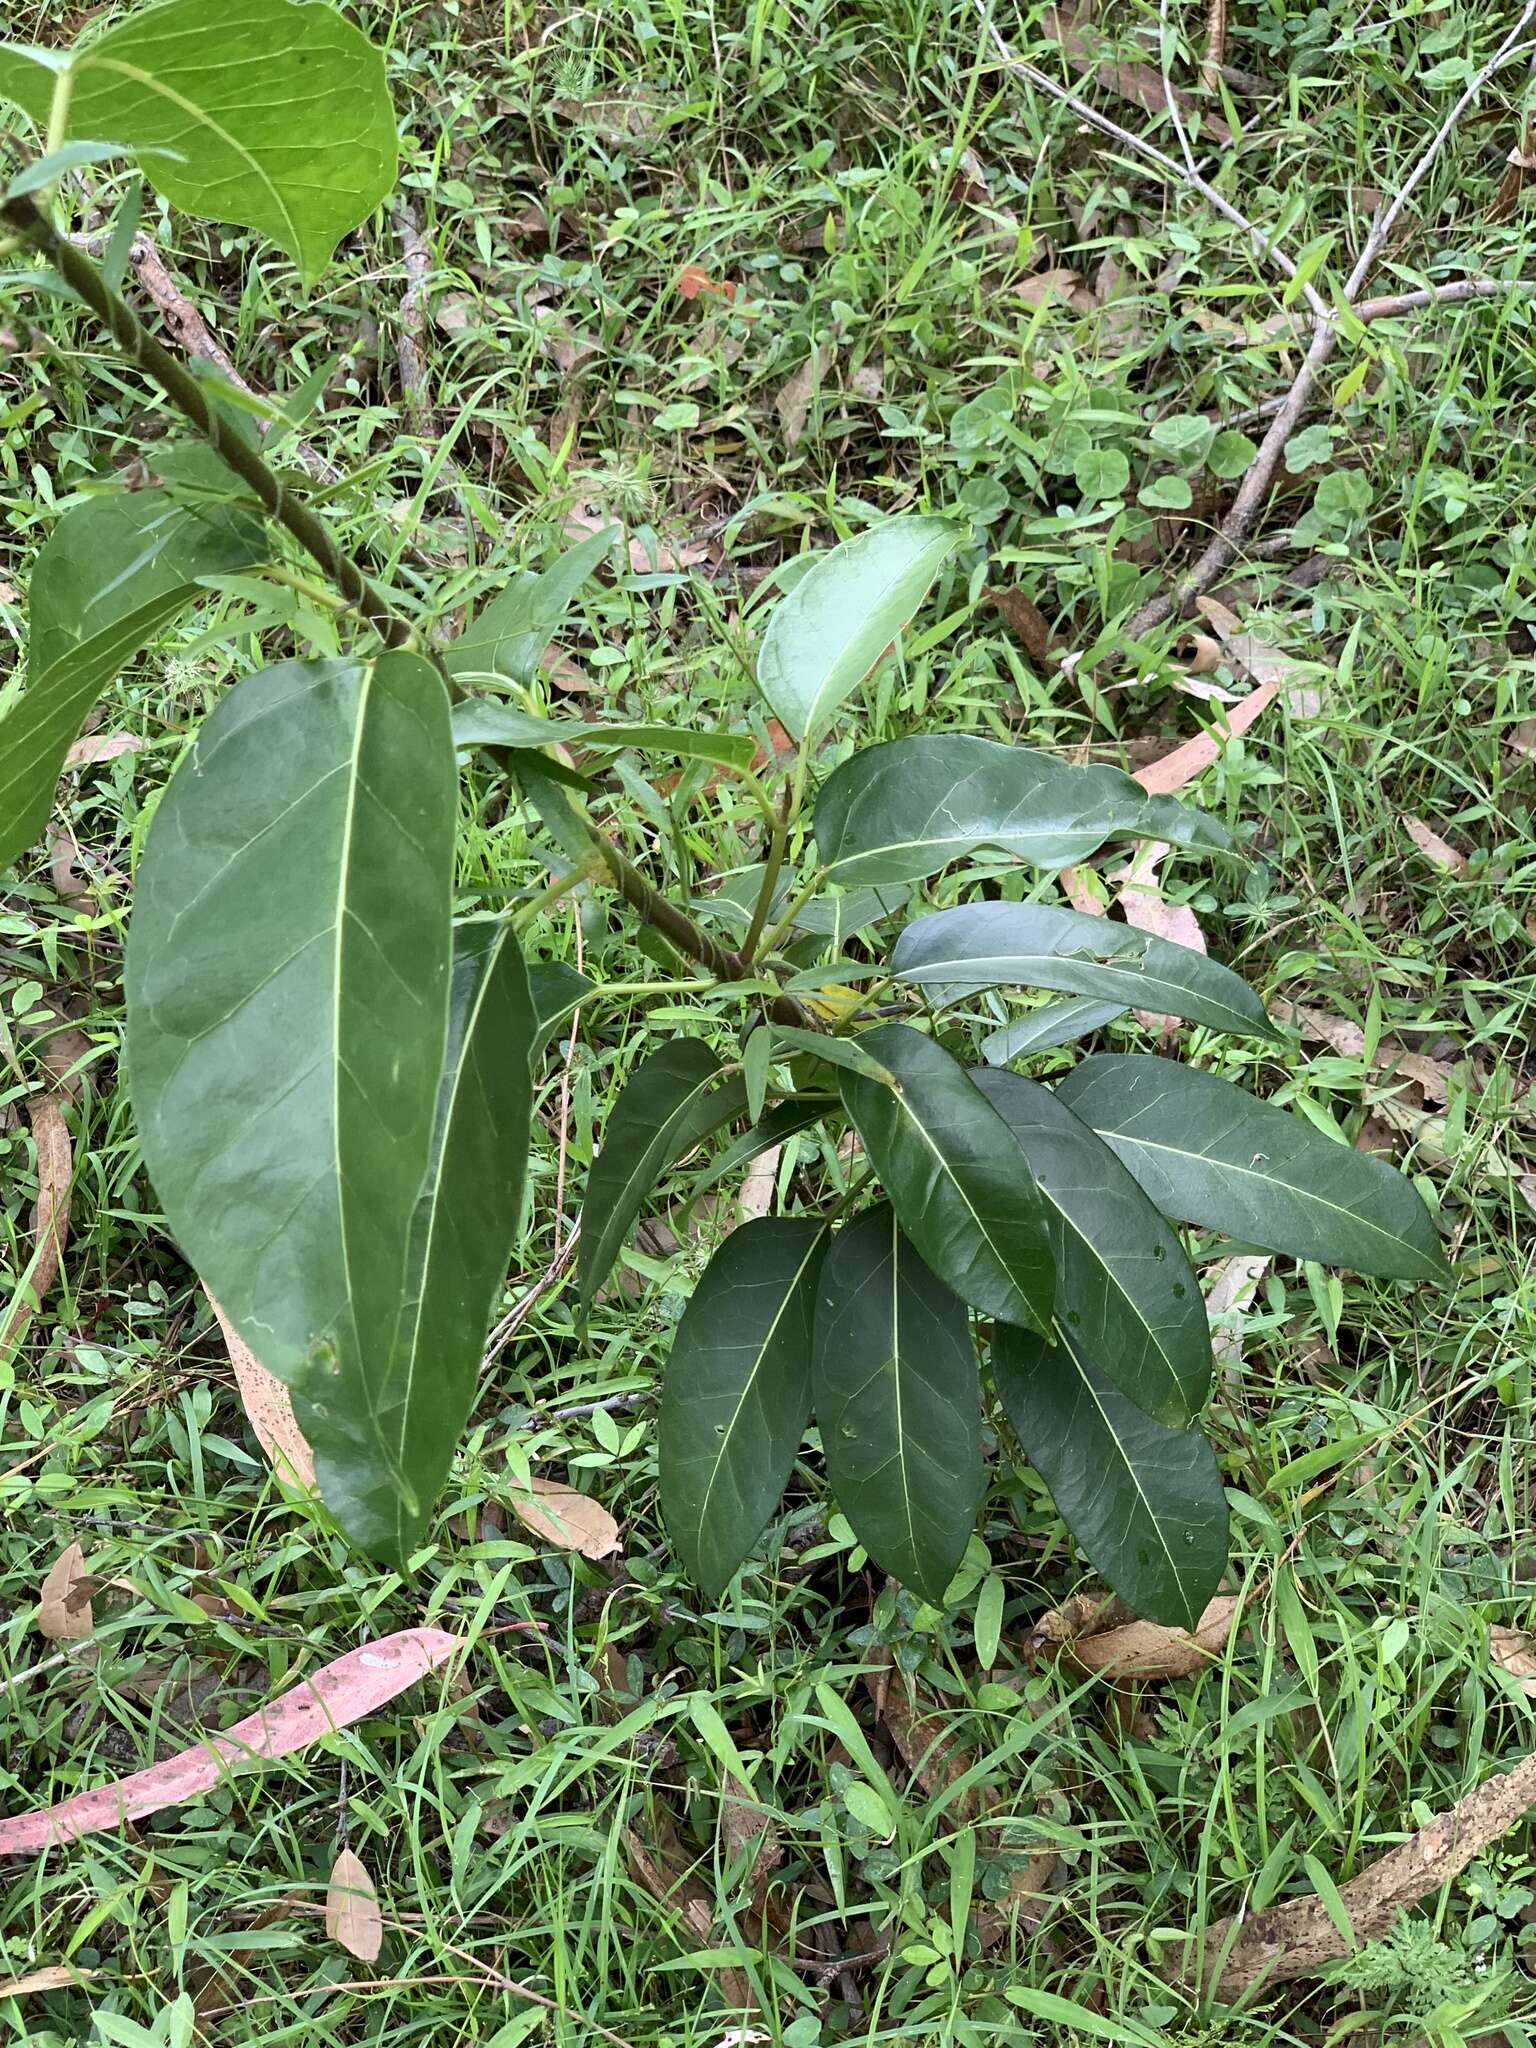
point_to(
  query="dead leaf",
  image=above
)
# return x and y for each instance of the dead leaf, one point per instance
(1139, 84)
(1515, 1652)
(101, 746)
(1215, 46)
(792, 402)
(664, 1871)
(1434, 848)
(1184, 763)
(1024, 620)
(63, 1601)
(1235, 1283)
(868, 381)
(1263, 663)
(347, 1689)
(761, 1185)
(352, 1916)
(1145, 1649)
(694, 282)
(50, 1214)
(566, 1518)
(587, 517)
(69, 883)
(455, 313)
(1065, 286)
(52, 1977)
(1521, 162)
(1079, 893)
(566, 349)
(268, 1409)
(1142, 902)
(1433, 1077)
(1200, 654)
(1300, 1937)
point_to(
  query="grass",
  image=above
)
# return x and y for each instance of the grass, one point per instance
(875, 188)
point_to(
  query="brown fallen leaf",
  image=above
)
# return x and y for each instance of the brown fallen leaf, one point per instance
(1139, 84)
(1393, 1060)
(1263, 663)
(1145, 1649)
(69, 883)
(652, 558)
(50, 1214)
(1184, 763)
(792, 401)
(64, 1599)
(352, 1916)
(1434, 848)
(1515, 1652)
(1064, 286)
(347, 1689)
(101, 746)
(566, 1518)
(268, 1408)
(1236, 1281)
(761, 1185)
(52, 1977)
(1024, 620)
(1144, 906)
(663, 1867)
(1521, 162)
(1299, 1938)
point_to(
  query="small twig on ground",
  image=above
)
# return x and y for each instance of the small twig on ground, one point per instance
(1298, 1938)
(1253, 494)
(411, 337)
(1215, 46)
(524, 1307)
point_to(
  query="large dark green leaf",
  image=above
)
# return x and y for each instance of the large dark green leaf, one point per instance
(484, 722)
(556, 990)
(509, 637)
(1209, 1153)
(1144, 1501)
(279, 114)
(957, 953)
(112, 572)
(668, 1104)
(1126, 1296)
(898, 1403)
(828, 633)
(956, 1175)
(902, 811)
(417, 1395)
(288, 983)
(737, 1393)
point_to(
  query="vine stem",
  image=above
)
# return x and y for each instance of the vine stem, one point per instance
(191, 398)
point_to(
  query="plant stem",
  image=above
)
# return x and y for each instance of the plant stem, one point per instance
(771, 871)
(560, 885)
(190, 397)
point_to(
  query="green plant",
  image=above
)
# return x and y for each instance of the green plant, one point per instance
(332, 1079)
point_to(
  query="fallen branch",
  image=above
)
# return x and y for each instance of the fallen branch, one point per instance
(1253, 495)
(1298, 1938)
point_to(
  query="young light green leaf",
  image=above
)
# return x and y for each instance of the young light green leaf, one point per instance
(737, 1393)
(1145, 1502)
(110, 575)
(279, 113)
(956, 953)
(897, 1399)
(416, 1398)
(956, 1175)
(667, 1105)
(1053, 1024)
(509, 637)
(483, 722)
(845, 611)
(1125, 1293)
(902, 811)
(756, 1065)
(1207, 1152)
(287, 985)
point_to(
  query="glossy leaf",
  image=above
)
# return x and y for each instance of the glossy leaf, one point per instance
(842, 615)
(852, 1055)
(1052, 1024)
(737, 1393)
(668, 1104)
(1145, 1502)
(956, 1176)
(902, 811)
(1126, 1296)
(287, 982)
(1208, 1152)
(956, 953)
(898, 1403)
(110, 575)
(279, 114)
(482, 722)
(555, 990)
(417, 1396)
(509, 637)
